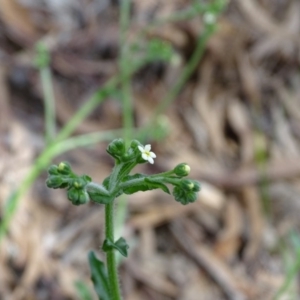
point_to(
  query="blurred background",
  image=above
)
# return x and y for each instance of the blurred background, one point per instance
(215, 84)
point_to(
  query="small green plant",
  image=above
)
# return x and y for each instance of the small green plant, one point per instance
(81, 189)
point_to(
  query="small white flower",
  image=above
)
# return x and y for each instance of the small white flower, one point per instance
(209, 18)
(147, 154)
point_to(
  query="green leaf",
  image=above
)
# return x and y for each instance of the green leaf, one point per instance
(83, 291)
(157, 185)
(99, 277)
(119, 245)
(97, 196)
(122, 246)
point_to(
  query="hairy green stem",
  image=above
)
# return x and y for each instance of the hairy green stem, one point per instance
(112, 272)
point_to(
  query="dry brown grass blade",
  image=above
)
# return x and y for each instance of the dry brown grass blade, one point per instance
(197, 128)
(256, 222)
(203, 256)
(258, 17)
(289, 98)
(151, 277)
(229, 238)
(18, 21)
(5, 113)
(287, 145)
(160, 214)
(210, 108)
(74, 66)
(148, 243)
(250, 78)
(277, 170)
(292, 19)
(240, 122)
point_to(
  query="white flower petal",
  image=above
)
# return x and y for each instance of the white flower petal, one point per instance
(141, 148)
(152, 154)
(148, 147)
(144, 156)
(150, 159)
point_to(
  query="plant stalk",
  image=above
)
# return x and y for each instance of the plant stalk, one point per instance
(49, 101)
(110, 255)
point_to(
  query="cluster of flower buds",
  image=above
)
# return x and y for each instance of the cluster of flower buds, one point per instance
(135, 153)
(81, 189)
(186, 191)
(61, 177)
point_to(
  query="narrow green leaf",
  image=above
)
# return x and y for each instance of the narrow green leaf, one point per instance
(83, 291)
(99, 277)
(157, 185)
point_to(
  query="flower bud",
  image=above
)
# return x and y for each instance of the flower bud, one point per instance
(190, 185)
(116, 148)
(77, 184)
(187, 184)
(182, 170)
(64, 168)
(134, 144)
(183, 196)
(78, 196)
(53, 170)
(186, 191)
(81, 181)
(54, 182)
